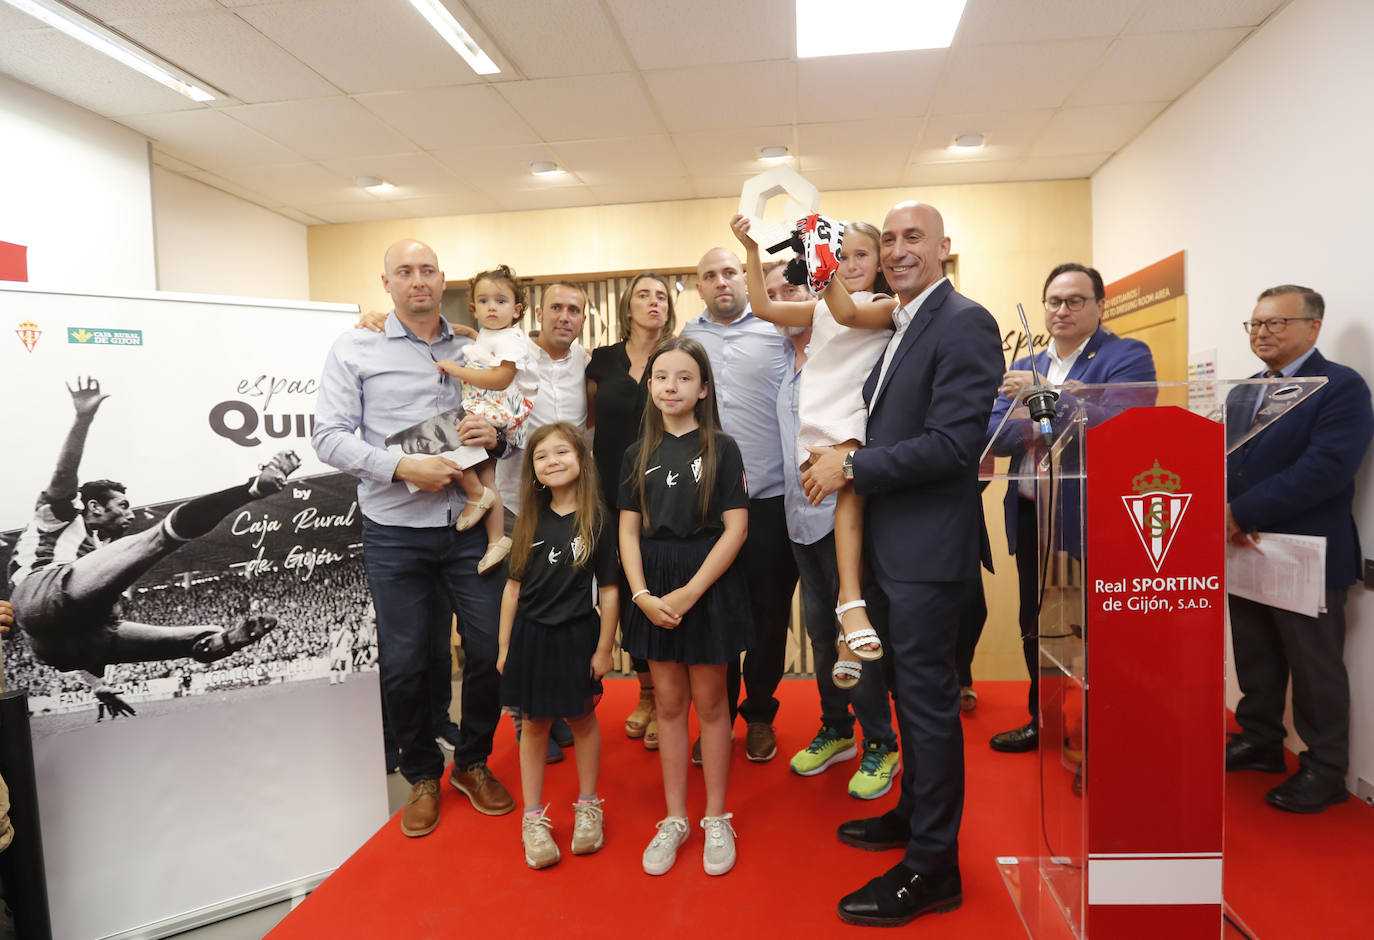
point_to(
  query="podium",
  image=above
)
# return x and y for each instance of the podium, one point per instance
(1129, 486)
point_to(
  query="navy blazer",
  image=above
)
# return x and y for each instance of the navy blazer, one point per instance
(919, 465)
(1298, 474)
(1107, 358)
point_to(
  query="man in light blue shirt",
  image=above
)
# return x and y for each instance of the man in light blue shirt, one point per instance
(748, 363)
(417, 564)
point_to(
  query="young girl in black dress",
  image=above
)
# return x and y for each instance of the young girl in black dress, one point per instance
(684, 514)
(554, 646)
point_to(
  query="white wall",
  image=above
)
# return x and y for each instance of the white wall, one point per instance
(209, 242)
(76, 191)
(1262, 174)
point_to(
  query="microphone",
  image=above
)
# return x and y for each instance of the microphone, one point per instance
(1040, 398)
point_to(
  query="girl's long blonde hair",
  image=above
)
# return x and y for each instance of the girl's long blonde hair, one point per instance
(535, 496)
(708, 422)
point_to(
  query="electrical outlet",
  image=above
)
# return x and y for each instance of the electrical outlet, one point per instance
(1364, 790)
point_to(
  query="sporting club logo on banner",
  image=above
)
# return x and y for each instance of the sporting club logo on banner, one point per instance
(1157, 510)
(28, 333)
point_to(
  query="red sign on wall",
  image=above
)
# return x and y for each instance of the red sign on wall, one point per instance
(14, 262)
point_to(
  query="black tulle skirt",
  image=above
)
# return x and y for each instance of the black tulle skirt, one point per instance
(548, 670)
(720, 625)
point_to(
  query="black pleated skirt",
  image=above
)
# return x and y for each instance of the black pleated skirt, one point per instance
(720, 625)
(548, 670)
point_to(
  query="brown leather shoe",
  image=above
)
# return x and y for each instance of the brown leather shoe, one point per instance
(488, 795)
(760, 744)
(421, 813)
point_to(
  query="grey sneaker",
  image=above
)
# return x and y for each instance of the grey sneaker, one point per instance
(662, 850)
(718, 856)
(536, 833)
(588, 835)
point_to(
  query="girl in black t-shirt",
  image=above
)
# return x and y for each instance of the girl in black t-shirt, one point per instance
(554, 646)
(684, 514)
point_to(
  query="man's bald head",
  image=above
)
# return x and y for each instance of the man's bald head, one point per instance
(413, 279)
(914, 248)
(720, 282)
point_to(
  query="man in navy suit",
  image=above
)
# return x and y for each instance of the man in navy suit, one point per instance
(1297, 476)
(1081, 352)
(928, 402)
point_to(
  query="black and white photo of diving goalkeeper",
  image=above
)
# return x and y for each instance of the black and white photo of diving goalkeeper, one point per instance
(74, 560)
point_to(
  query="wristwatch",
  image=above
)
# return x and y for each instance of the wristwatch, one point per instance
(848, 467)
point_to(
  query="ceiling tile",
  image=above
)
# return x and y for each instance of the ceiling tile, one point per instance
(720, 185)
(1066, 167)
(1171, 15)
(337, 213)
(839, 178)
(545, 40)
(870, 145)
(1006, 134)
(946, 174)
(561, 198)
(83, 76)
(1014, 77)
(169, 162)
(466, 204)
(413, 174)
(706, 32)
(997, 21)
(660, 190)
(13, 21)
(363, 45)
(297, 183)
(1095, 129)
(1156, 66)
(323, 127)
(706, 97)
(295, 215)
(856, 87)
(452, 118)
(107, 11)
(495, 169)
(211, 139)
(215, 46)
(234, 189)
(730, 152)
(607, 162)
(583, 106)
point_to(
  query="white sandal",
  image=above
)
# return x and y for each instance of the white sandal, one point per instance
(846, 673)
(856, 638)
(474, 511)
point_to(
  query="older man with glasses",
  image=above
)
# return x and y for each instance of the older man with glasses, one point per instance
(1081, 351)
(1298, 476)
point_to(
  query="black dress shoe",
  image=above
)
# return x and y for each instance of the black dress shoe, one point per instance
(1242, 755)
(899, 896)
(1308, 792)
(1018, 740)
(876, 833)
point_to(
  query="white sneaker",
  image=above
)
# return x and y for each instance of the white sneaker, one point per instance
(718, 856)
(536, 834)
(662, 850)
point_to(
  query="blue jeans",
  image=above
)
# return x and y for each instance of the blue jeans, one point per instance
(820, 590)
(413, 573)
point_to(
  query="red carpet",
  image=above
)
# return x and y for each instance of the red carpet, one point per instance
(1287, 876)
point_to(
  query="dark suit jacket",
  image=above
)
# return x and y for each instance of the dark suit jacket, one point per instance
(919, 466)
(1298, 474)
(1107, 358)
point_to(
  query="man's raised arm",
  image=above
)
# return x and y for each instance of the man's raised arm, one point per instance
(86, 399)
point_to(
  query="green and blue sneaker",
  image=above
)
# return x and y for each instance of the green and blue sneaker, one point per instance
(880, 765)
(826, 748)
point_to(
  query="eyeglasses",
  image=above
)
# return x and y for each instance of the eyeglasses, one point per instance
(1074, 303)
(1275, 325)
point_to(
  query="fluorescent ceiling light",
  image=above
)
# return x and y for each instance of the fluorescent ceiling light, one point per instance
(374, 184)
(967, 142)
(88, 31)
(546, 168)
(774, 153)
(874, 26)
(462, 42)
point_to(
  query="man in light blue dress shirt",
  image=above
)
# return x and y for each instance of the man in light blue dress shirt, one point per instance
(417, 563)
(748, 362)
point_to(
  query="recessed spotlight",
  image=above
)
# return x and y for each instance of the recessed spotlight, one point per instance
(546, 168)
(905, 24)
(774, 152)
(374, 184)
(967, 142)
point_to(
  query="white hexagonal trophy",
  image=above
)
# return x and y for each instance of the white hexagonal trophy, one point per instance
(779, 181)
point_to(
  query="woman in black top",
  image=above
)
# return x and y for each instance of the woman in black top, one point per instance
(616, 392)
